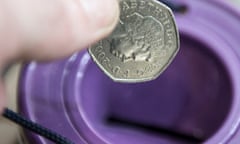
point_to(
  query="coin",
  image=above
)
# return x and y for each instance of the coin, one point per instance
(142, 45)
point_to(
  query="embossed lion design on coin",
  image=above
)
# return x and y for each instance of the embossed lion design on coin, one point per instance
(133, 40)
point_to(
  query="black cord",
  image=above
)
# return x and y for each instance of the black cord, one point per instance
(49, 134)
(36, 128)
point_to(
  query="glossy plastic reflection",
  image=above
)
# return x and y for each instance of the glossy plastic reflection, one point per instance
(191, 98)
(197, 99)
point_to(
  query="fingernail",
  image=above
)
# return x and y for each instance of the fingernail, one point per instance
(102, 14)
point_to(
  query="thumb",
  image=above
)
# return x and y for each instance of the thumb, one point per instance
(47, 29)
(50, 29)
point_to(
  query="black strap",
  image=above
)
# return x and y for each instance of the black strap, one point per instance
(36, 128)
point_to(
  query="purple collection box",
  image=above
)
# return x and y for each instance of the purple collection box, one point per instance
(196, 100)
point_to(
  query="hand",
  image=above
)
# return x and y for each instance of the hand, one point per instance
(50, 29)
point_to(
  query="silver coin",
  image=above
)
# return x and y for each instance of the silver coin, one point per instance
(142, 45)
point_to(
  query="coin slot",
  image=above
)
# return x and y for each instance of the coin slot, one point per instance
(115, 121)
(182, 9)
(176, 6)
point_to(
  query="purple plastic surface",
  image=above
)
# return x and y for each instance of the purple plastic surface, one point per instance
(198, 95)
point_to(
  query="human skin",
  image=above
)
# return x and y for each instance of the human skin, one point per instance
(44, 30)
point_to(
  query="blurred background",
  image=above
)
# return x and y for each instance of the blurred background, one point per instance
(9, 131)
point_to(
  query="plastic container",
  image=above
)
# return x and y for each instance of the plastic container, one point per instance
(196, 100)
